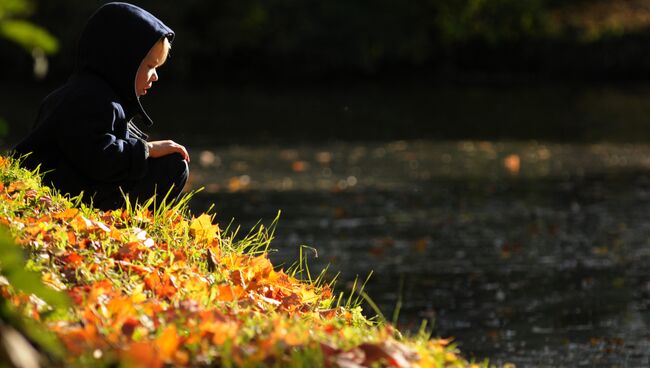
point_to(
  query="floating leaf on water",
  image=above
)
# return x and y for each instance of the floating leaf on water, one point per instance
(512, 163)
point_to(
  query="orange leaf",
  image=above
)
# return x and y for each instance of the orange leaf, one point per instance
(261, 266)
(121, 307)
(167, 342)
(73, 258)
(16, 185)
(115, 234)
(279, 278)
(229, 293)
(237, 277)
(162, 285)
(142, 354)
(327, 313)
(67, 214)
(223, 331)
(72, 238)
(33, 231)
(80, 224)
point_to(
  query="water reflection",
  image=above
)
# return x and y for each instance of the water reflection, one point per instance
(525, 252)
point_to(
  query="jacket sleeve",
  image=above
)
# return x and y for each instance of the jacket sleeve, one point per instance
(94, 141)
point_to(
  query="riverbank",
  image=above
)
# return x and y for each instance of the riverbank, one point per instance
(162, 286)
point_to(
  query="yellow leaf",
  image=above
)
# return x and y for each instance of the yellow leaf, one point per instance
(203, 230)
(81, 224)
(137, 294)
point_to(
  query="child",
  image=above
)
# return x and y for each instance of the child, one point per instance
(84, 138)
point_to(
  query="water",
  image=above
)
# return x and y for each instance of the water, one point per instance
(525, 252)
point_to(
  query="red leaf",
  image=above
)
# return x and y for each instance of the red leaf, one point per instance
(129, 326)
(73, 259)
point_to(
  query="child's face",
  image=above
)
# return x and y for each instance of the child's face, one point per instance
(146, 74)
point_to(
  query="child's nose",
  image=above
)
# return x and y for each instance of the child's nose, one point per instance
(154, 76)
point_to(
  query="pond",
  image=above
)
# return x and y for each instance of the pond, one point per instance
(524, 252)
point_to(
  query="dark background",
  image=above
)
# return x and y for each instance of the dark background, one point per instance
(250, 70)
(283, 40)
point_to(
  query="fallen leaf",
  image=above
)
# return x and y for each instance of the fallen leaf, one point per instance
(66, 215)
(142, 354)
(167, 342)
(203, 230)
(15, 186)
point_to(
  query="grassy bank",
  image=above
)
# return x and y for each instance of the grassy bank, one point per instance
(141, 287)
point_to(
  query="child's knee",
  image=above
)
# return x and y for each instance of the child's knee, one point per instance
(177, 167)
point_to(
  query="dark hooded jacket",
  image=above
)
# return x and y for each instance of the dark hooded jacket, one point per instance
(84, 138)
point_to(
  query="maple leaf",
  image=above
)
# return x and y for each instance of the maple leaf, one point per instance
(163, 285)
(261, 266)
(203, 230)
(227, 293)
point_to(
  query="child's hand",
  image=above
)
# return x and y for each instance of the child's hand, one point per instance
(167, 147)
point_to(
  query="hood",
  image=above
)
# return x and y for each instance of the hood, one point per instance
(114, 42)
